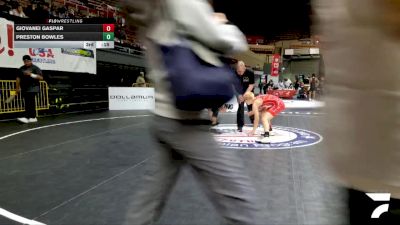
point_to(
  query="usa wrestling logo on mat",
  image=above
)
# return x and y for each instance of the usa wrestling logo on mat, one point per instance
(281, 138)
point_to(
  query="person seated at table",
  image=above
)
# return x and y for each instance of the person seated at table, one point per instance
(270, 85)
(302, 94)
(281, 85)
(141, 81)
(287, 83)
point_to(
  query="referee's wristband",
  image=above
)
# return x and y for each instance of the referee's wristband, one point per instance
(34, 76)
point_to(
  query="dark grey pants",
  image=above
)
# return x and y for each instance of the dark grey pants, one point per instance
(220, 171)
(30, 106)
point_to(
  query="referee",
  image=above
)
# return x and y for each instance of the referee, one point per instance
(246, 78)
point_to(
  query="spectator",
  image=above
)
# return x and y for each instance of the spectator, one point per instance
(54, 11)
(7, 4)
(287, 83)
(262, 85)
(270, 84)
(63, 12)
(4, 7)
(306, 80)
(123, 35)
(71, 13)
(281, 85)
(123, 21)
(32, 11)
(28, 78)
(320, 88)
(43, 11)
(302, 93)
(117, 34)
(140, 81)
(85, 2)
(46, 9)
(296, 82)
(17, 10)
(313, 86)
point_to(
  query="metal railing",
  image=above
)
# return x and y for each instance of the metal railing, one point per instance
(11, 102)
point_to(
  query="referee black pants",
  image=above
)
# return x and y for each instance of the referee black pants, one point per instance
(240, 115)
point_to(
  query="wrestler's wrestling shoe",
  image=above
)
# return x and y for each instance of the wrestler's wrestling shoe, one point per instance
(264, 140)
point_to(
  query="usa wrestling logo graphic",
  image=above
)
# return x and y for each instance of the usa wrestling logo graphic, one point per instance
(281, 138)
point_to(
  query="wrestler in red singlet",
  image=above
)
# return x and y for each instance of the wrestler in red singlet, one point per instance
(272, 104)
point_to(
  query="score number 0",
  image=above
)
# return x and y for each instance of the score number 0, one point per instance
(108, 27)
(108, 32)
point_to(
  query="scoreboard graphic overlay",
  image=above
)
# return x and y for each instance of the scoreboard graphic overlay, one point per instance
(65, 33)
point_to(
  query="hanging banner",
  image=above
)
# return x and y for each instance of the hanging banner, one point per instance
(59, 59)
(275, 65)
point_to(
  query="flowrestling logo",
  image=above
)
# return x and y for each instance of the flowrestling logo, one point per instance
(283, 138)
(379, 197)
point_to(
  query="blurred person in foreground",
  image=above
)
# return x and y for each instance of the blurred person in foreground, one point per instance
(27, 83)
(213, 113)
(182, 137)
(362, 134)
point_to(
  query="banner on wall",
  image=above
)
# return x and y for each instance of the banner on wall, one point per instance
(275, 65)
(131, 98)
(59, 59)
(137, 98)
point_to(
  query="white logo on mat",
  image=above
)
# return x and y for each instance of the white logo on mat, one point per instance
(283, 138)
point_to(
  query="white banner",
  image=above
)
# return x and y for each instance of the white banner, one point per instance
(131, 98)
(59, 59)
